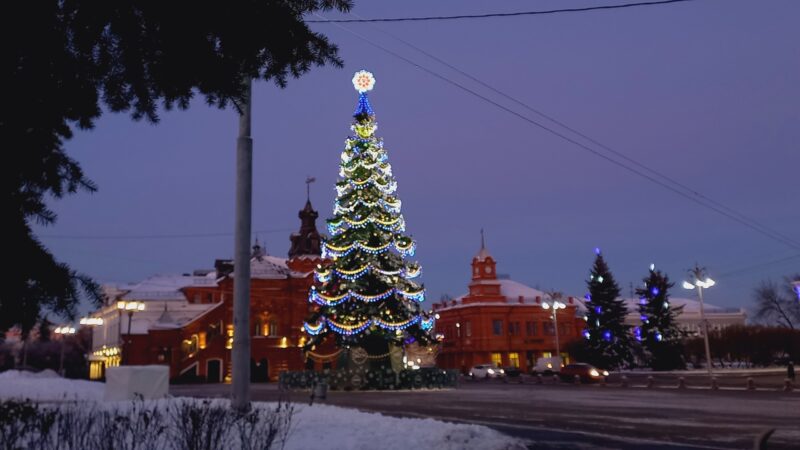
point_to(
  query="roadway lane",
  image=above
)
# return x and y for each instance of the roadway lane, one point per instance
(563, 416)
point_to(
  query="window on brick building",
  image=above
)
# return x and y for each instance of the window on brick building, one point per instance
(468, 329)
(513, 328)
(210, 297)
(530, 328)
(189, 346)
(548, 329)
(273, 329)
(497, 359)
(513, 359)
(497, 327)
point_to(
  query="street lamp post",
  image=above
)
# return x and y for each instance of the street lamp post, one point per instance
(63, 332)
(701, 282)
(129, 307)
(555, 306)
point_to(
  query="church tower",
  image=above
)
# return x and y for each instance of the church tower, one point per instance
(483, 265)
(484, 286)
(305, 251)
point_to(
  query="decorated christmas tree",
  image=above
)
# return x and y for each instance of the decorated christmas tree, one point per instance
(659, 333)
(366, 295)
(608, 339)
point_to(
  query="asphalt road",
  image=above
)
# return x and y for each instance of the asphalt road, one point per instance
(561, 416)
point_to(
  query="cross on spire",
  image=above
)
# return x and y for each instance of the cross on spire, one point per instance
(309, 180)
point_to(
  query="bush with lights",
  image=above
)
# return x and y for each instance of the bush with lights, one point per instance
(365, 295)
(608, 340)
(659, 333)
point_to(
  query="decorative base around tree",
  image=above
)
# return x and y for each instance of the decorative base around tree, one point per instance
(368, 379)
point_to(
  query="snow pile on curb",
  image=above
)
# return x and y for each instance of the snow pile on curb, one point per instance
(332, 427)
(312, 427)
(47, 385)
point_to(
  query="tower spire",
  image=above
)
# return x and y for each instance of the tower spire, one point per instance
(309, 180)
(483, 241)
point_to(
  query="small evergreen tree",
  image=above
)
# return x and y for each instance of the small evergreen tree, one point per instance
(660, 336)
(608, 339)
(367, 295)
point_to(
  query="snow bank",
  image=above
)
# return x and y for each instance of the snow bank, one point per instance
(47, 385)
(313, 427)
(331, 427)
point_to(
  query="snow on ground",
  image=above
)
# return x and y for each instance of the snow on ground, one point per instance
(47, 385)
(313, 427)
(323, 426)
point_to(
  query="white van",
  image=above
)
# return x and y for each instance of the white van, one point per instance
(548, 366)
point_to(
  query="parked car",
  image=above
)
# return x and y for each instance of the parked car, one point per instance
(587, 372)
(486, 371)
(512, 371)
(547, 366)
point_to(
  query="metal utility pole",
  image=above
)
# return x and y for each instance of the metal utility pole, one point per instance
(698, 273)
(240, 389)
(700, 282)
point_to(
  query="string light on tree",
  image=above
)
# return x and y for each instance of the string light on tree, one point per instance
(365, 293)
(659, 334)
(608, 339)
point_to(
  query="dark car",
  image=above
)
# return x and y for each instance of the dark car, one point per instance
(512, 371)
(587, 372)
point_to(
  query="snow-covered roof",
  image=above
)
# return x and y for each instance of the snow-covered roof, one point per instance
(482, 254)
(268, 267)
(165, 287)
(510, 289)
(514, 289)
(179, 313)
(272, 267)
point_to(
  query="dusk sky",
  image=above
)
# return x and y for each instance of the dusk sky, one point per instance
(705, 92)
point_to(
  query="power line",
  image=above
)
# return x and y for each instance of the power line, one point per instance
(765, 232)
(154, 236)
(688, 189)
(757, 266)
(495, 15)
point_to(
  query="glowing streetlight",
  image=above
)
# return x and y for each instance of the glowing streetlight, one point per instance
(91, 321)
(701, 282)
(554, 305)
(130, 307)
(64, 332)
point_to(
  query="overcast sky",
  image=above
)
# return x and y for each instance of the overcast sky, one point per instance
(705, 92)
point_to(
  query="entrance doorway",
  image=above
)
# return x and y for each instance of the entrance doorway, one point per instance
(213, 370)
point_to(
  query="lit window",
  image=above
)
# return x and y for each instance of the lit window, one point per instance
(497, 359)
(513, 359)
(273, 329)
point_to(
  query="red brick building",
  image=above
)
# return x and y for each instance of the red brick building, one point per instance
(187, 321)
(501, 321)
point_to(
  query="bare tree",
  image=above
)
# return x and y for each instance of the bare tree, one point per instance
(777, 303)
